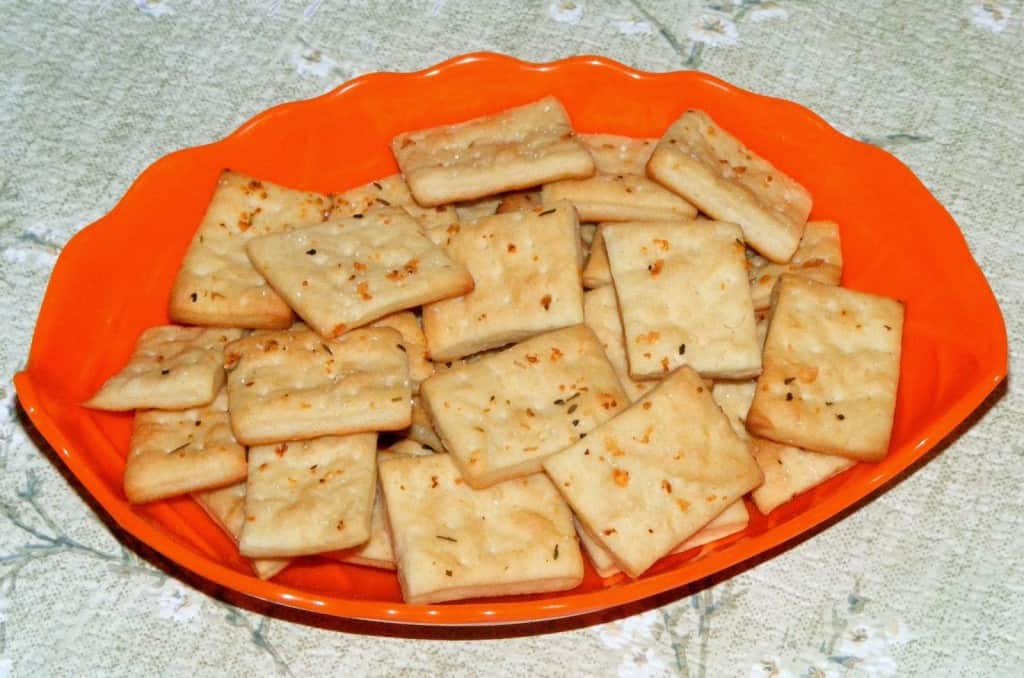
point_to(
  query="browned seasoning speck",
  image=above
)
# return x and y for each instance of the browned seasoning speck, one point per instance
(194, 297)
(789, 381)
(682, 349)
(546, 212)
(789, 396)
(165, 372)
(840, 417)
(311, 252)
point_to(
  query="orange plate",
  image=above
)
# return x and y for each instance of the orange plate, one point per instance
(114, 278)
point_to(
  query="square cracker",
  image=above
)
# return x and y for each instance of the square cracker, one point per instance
(294, 385)
(650, 478)
(618, 197)
(586, 238)
(730, 521)
(501, 416)
(614, 154)
(421, 429)
(517, 148)
(346, 273)
(391, 191)
(519, 200)
(734, 398)
(477, 209)
(601, 314)
(714, 170)
(177, 452)
(226, 507)
(453, 542)
(216, 284)
(818, 257)
(414, 343)
(309, 497)
(788, 470)
(377, 550)
(526, 269)
(171, 368)
(597, 272)
(684, 297)
(831, 369)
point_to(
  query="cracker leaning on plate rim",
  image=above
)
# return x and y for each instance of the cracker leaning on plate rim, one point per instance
(716, 358)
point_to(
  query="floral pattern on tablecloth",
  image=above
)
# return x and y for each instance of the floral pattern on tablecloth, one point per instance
(919, 581)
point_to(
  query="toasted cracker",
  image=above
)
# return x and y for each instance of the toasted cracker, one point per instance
(601, 314)
(818, 257)
(310, 496)
(377, 551)
(391, 191)
(421, 429)
(526, 269)
(730, 521)
(831, 370)
(414, 343)
(472, 210)
(684, 298)
(226, 507)
(294, 385)
(517, 148)
(502, 415)
(216, 284)
(347, 273)
(614, 154)
(734, 398)
(714, 170)
(597, 272)
(650, 478)
(618, 197)
(171, 368)
(789, 471)
(454, 542)
(519, 200)
(733, 519)
(178, 452)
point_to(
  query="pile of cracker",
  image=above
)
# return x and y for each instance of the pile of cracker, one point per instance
(476, 383)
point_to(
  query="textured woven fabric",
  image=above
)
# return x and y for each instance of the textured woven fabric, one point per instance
(926, 579)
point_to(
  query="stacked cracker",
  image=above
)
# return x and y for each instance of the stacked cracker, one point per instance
(713, 356)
